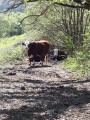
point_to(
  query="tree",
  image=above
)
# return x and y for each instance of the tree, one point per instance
(16, 3)
(74, 25)
(74, 22)
(9, 24)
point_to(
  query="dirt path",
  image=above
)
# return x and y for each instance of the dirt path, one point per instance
(42, 93)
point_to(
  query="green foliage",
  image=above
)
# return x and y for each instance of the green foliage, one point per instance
(59, 0)
(3, 25)
(71, 63)
(14, 19)
(83, 56)
(69, 43)
(9, 24)
(26, 1)
(10, 50)
(80, 62)
(14, 54)
(45, 25)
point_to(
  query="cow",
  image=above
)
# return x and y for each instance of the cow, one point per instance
(37, 51)
(61, 55)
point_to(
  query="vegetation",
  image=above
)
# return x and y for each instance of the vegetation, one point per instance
(11, 49)
(10, 24)
(64, 26)
(80, 61)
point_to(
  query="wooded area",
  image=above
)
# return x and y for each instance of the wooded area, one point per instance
(64, 23)
(30, 87)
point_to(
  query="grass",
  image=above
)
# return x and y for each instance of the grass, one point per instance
(76, 66)
(9, 49)
(71, 63)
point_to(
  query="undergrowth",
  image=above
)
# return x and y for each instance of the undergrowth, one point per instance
(11, 48)
(81, 69)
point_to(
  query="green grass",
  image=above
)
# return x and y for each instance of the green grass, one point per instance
(80, 70)
(71, 63)
(9, 50)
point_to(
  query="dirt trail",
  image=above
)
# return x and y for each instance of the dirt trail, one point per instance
(42, 93)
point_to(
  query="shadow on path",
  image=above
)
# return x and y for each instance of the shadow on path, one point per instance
(74, 81)
(38, 66)
(49, 101)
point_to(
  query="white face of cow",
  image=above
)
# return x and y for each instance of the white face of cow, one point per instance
(26, 43)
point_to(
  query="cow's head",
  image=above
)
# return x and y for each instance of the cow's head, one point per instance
(26, 43)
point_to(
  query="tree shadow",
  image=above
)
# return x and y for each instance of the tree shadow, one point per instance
(75, 81)
(48, 101)
(34, 81)
(39, 66)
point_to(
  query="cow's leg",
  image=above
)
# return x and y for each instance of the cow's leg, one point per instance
(34, 58)
(41, 63)
(46, 58)
(42, 59)
(29, 61)
(33, 63)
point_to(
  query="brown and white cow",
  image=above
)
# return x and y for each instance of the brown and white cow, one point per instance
(37, 51)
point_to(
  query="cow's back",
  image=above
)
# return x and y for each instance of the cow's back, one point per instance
(42, 47)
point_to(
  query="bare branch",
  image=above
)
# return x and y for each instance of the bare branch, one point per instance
(72, 6)
(86, 5)
(37, 16)
(15, 4)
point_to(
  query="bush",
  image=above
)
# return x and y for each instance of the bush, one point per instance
(10, 50)
(80, 62)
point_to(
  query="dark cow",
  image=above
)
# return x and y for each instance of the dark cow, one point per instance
(61, 55)
(37, 51)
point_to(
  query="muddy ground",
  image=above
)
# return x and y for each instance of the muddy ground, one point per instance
(42, 93)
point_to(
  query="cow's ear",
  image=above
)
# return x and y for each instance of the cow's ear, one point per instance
(23, 43)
